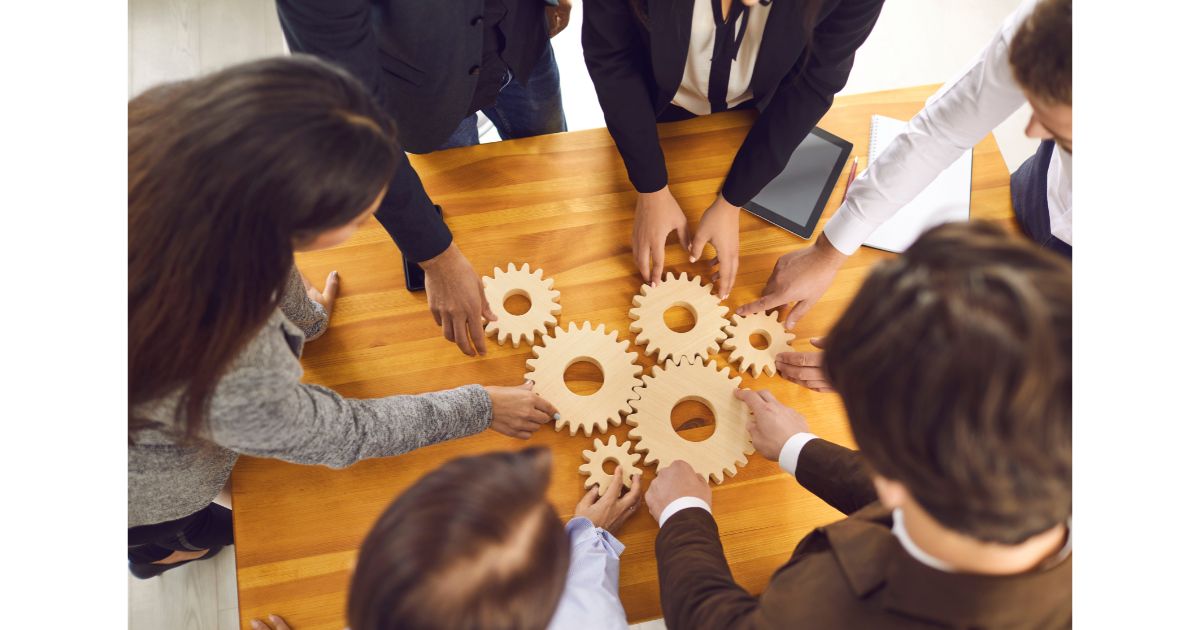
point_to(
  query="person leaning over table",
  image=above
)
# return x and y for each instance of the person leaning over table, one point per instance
(954, 363)
(664, 61)
(229, 174)
(434, 65)
(1029, 60)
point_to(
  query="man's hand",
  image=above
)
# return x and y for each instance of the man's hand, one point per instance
(610, 510)
(805, 368)
(656, 215)
(558, 17)
(276, 623)
(328, 296)
(719, 226)
(772, 422)
(518, 412)
(800, 277)
(673, 482)
(456, 299)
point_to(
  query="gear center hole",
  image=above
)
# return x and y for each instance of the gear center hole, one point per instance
(584, 377)
(680, 318)
(517, 302)
(760, 340)
(693, 420)
(609, 466)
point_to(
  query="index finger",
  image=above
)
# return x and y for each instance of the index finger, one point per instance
(631, 498)
(728, 274)
(477, 336)
(751, 398)
(459, 328)
(659, 254)
(764, 303)
(544, 406)
(614, 487)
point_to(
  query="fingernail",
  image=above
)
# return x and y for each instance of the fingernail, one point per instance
(691, 259)
(557, 416)
(276, 618)
(335, 273)
(258, 625)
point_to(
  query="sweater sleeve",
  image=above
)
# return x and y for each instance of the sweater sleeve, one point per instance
(261, 408)
(308, 315)
(803, 97)
(619, 65)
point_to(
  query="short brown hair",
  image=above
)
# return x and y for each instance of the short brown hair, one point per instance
(473, 544)
(954, 363)
(1040, 52)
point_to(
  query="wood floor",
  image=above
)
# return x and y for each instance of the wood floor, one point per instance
(177, 39)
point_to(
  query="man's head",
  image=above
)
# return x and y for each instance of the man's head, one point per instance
(954, 363)
(1040, 55)
(473, 544)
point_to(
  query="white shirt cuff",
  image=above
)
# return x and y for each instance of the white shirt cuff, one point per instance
(682, 503)
(847, 232)
(789, 455)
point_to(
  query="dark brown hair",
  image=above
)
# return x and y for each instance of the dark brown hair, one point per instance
(954, 363)
(1040, 52)
(473, 544)
(225, 172)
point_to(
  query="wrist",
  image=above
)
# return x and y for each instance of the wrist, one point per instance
(824, 250)
(441, 260)
(665, 191)
(720, 203)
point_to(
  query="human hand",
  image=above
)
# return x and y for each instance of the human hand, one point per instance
(800, 277)
(656, 215)
(805, 368)
(673, 482)
(610, 510)
(324, 298)
(518, 411)
(719, 225)
(275, 622)
(558, 17)
(456, 300)
(772, 423)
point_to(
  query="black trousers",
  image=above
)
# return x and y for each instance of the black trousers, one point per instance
(1028, 187)
(210, 528)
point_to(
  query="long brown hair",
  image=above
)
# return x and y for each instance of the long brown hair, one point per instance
(954, 363)
(226, 172)
(473, 544)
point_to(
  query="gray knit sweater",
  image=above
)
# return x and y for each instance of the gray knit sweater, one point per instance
(261, 408)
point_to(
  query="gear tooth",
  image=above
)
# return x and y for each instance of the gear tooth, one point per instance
(696, 280)
(596, 444)
(637, 300)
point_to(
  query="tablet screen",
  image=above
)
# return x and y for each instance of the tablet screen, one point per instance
(796, 198)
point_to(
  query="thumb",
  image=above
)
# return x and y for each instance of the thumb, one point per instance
(750, 397)
(699, 240)
(332, 283)
(527, 385)
(818, 342)
(487, 308)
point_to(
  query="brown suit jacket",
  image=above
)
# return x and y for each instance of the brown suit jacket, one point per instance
(851, 574)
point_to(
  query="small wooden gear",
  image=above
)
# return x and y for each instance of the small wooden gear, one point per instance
(744, 354)
(713, 458)
(620, 369)
(543, 304)
(619, 453)
(652, 331)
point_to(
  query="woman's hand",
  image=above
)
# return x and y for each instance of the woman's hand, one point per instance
(610, 510)
(274, 622)
(656, 215)
(324, 298)
(518, 412)
(800, 277)
(719, 226)
(805, 368)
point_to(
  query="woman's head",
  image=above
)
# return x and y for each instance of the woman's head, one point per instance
(473, 544)
(228, 174)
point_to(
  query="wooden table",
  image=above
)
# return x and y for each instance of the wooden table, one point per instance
(561, 202)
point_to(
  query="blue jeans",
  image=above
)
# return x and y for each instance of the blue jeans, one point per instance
(521, 110)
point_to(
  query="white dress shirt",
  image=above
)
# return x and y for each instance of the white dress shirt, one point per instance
(692, 94)
(954, 120)
(590, 599)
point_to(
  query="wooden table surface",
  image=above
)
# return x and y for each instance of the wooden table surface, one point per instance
(563, 203)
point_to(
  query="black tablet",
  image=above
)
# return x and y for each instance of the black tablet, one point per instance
(796, 198)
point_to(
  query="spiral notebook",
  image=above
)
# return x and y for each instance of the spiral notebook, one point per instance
(945, 199)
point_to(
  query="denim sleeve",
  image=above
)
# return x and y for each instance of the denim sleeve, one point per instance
(590, 598)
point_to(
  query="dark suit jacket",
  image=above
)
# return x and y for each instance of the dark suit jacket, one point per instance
(638, 68)
(418, 58)
(851, 574)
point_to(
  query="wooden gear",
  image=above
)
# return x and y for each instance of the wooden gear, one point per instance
(744, 354)
(619, 453)
(652, 331)
(620, 369)
(543, 304)
(723, 451)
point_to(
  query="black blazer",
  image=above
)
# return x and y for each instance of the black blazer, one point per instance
(637, 68)
(417, 57)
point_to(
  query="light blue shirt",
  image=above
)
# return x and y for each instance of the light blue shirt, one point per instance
(590, 598)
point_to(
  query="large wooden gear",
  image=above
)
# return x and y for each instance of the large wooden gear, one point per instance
(713, 458)
(620, 369)
(543, 304)
(652, 331)
(744, 354)
(594, 461)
